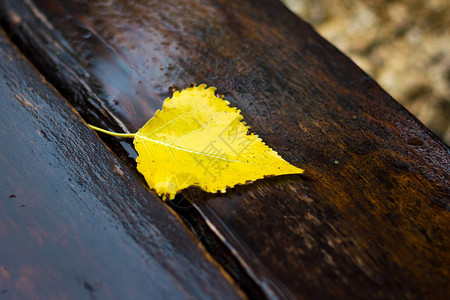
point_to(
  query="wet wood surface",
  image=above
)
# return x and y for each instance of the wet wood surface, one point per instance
(74, 222)
(370, 217)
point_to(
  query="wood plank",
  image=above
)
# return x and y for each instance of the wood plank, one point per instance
(74, 221)
(370, 217)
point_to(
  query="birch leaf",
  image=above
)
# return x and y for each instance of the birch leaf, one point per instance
(198, 140)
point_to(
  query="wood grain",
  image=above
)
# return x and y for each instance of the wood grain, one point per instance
(369, 219)
(74, 222)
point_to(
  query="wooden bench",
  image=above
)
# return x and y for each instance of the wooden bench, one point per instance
(369, 218)
(74, 221)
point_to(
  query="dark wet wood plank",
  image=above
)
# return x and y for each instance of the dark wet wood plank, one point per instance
(74, 221)
(369, 219)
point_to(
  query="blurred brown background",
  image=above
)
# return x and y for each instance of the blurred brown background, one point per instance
(403, 44)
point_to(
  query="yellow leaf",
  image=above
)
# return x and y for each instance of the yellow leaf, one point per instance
(198, 140)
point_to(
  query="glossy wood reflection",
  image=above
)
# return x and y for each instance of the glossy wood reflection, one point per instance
(74, 221)
(370, 217)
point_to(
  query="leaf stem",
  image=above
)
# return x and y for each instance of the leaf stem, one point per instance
(122, 135)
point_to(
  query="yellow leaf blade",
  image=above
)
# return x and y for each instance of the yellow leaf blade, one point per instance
(197, 139)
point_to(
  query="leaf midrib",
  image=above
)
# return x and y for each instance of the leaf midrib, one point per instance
(188, 150)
